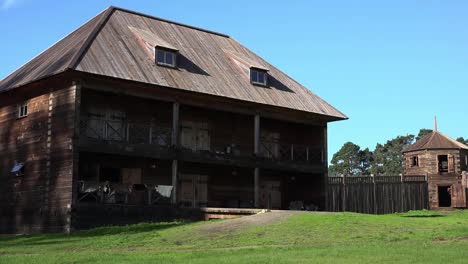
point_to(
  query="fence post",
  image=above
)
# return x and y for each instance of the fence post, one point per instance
(343, 193)
(374, 194)
(402, 193)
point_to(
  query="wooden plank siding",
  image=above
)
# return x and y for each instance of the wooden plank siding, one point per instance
(39, 200)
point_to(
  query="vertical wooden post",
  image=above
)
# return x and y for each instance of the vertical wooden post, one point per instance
(175, 143)
(174, 181)
(374, 193)
(175, 124)
(256, 134)
(257, 152)
(402, 194)
(343, 193)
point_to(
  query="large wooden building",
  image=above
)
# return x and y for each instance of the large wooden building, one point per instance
(130, 112)
(444, 161)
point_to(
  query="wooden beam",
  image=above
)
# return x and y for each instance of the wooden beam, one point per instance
(175, 123)
(174, 181)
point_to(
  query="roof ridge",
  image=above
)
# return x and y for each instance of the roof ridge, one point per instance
(106, 14)
(168, 21)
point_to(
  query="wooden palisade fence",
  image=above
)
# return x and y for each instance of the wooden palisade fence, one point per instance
(377, 194)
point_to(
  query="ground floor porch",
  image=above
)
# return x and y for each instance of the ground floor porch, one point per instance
(126, 181)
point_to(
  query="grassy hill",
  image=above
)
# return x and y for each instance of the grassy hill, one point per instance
(415, 237)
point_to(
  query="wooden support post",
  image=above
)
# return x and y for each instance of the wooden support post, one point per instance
(257, 187)
(256, 135)
(402, 193)
(174, 181)
(175, 143)
(175, 124)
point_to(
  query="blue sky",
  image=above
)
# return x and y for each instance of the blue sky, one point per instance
(389, 65)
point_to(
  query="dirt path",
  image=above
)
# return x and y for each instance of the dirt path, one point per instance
(233, 225)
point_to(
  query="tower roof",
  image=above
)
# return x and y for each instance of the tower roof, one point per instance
(435, 140)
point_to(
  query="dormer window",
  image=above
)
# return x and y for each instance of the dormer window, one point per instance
(166, 57)
(258, 76)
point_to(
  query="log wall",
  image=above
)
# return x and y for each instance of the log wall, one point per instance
(37, 201)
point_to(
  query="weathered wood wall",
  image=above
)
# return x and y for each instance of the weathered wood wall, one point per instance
(39, 200)
(428, 161)
(377, 195)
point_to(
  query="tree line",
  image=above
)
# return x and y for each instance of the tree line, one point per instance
(386, 159)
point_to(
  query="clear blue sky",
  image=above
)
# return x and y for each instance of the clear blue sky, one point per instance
(388, 65)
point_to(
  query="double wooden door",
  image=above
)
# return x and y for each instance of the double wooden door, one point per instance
(193, 191)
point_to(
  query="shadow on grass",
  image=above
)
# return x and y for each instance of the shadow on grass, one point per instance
(51, 239)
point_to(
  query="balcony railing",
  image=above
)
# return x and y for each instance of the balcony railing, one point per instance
(291, 152)
(122, 131)
(125, 131)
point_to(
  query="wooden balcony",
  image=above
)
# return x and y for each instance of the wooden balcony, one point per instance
(132, 138)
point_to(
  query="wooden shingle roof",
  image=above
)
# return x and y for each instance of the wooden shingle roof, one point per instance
(435, 140)
(118, 43)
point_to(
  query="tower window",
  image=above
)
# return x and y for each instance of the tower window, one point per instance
(166, 57)
(258, 76)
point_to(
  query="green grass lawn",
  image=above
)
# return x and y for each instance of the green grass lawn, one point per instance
(423, 237)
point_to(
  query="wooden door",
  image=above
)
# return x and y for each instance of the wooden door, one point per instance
(187, 138)
(458, 194)
(131, 176)
(201, 190)
(193, 190)
(203, 139)
(270, 194)
(186, 191)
